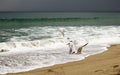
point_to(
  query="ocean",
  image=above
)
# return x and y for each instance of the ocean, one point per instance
(33, 40)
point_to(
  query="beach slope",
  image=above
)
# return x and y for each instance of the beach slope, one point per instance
(106, 63)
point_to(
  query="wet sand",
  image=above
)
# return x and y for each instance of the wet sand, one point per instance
(106, 63)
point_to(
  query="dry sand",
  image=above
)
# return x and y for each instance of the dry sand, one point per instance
(106, 63)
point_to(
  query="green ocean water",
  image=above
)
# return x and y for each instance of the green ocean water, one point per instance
(34, 40)
(11, 22)
(18, 20)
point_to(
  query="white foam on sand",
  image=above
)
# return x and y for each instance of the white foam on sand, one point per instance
(28, 55)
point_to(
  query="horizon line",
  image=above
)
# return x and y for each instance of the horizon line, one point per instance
(51, 11)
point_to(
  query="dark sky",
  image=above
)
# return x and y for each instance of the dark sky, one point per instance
(59, 5)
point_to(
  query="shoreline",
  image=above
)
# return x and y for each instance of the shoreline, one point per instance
(106, 63)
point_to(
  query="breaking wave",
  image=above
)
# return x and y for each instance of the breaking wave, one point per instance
(47, 19)
(27, 50)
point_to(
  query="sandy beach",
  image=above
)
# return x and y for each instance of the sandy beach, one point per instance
(106, 63)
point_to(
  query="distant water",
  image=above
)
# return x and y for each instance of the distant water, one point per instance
(37, 42)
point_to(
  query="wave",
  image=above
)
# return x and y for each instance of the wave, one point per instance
(8, 46)
(8, 23)
(28, 55)
(47, 19)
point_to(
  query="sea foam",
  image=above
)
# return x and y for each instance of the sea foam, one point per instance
(31, 54)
